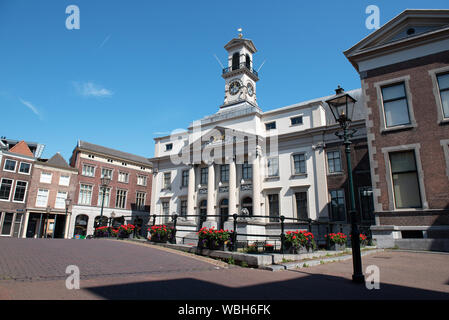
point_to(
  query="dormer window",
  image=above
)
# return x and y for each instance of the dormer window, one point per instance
(168, 146)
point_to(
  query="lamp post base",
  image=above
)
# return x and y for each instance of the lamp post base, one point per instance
(358, 278)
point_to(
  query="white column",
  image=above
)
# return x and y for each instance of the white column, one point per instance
(232, 188)
(191, 193)
(256, 186)
(67, 225)
(211, 191)
(25, 224)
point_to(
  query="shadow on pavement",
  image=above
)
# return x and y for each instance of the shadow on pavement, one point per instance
(308, 287)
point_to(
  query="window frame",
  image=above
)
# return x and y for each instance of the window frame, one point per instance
(24, 193)
(345, 218)
(20, 165)
(15, 165)
(10, 189)
(294, 118)
(327, 161)
(88, 165)
(121, 201)
(184, 178)
(37, 198)
(434, 73)
(391, 82)
(269, 124)
(91, 194)
(293, 162)
(269, 166)
(63, 205)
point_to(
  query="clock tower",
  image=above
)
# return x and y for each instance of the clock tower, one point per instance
(240, 75)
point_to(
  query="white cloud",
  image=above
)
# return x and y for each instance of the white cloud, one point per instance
(90, 89)
(30, 106)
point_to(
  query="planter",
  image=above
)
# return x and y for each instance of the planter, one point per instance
(214, 245)
(203, 244)
(336, 247)
(159, 239)
(269, 249)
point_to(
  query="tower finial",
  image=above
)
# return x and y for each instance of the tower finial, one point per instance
(240, 33)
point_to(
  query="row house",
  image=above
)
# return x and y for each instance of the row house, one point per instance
(404, 72)
(287, 161)
(17, 159)
(52, 186)
(125, 199)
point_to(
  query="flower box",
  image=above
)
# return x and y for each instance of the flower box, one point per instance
(268, 248)
(160, 233)
(214, 239)
(336, 247)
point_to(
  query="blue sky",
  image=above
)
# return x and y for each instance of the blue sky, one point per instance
(140, 69)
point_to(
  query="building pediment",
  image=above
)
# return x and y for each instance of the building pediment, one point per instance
(409, 27)
(239, 42)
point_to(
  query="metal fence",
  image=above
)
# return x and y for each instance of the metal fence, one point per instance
(277, 239)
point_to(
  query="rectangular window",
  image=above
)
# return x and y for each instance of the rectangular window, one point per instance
(42, 198)
(338, 206)
(64, 180)
(273, 167)
(85, 196)
(61, 196)
(204, 175)
(405, 180)
(185, 178)
(443, 84)
(273, 205)
(333, 161)
(296, 120)
(25, 167)
(301, 205)
(270, 125)
(123, 177)
(166, 210)
(168, 146)
(395, 105)
(120, 201)
(167, 180)
(46, 177)
(140, 199)
(7, 224)
(10, 165)
(107, 197)
(88, 171)
(299, 162)
(183, 211)
(19, 193)
(106, 173)
(5, 189)
(224, 173)
(142, 180)
(247, 171)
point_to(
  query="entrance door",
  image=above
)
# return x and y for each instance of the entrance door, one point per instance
(203, 213)
(7, 223)
(224, 213)
(366, 204)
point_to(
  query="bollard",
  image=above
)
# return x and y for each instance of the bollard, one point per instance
(234, 235)
(282, 234)
(154, 219)
(175, 218)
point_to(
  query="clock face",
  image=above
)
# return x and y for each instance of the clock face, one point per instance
(234, 87)
(250, 89)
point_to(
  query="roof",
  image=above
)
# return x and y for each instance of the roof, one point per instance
(87, 146)
(58, 161)
(238, 42)
(424, 24)
(22, 148)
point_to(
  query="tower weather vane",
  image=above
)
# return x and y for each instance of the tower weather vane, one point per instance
(240, 32)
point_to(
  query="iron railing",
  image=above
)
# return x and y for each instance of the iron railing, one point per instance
(240, 66)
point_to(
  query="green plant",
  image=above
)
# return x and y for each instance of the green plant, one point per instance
(338, 238)
(244, 264)
(230, 260)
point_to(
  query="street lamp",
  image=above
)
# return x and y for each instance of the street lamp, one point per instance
(67, 205)
(105, 180)
(342, 106)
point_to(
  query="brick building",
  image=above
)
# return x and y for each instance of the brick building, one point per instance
(17, 159)
(127, 197)
(53, 182)
(404, 71)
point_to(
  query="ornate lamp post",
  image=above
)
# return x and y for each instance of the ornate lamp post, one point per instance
(340, 105)
(104, 185)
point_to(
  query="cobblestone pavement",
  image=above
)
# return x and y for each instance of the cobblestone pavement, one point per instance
(35, 269)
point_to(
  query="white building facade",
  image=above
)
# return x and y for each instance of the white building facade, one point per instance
(243, 160)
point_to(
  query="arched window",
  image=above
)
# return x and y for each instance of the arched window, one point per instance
(248, 204)
(81, 225)
(236, 61)
(248, 62)
(117, 222)
(100, 223)
(224, 212)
